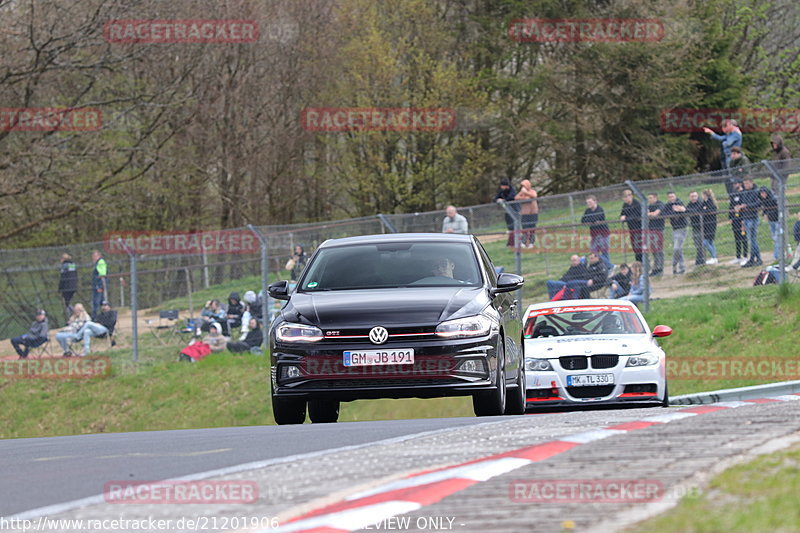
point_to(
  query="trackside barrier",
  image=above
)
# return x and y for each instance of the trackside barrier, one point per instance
(739, 394)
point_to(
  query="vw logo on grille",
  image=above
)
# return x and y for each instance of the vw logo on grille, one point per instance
(378, 335)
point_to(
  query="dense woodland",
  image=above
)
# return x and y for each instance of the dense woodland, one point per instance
(205, 136)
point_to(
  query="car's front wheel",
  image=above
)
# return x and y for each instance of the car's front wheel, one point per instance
(323, 411)
(515, 402)
(288, 410)
(493, 403)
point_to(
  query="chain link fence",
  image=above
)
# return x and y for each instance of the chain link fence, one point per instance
(702, 251)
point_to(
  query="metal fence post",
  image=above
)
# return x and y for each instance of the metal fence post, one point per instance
(134, 303)
(386, 223)
(514, 214)
(781, 201)
(646, 234)
(264, 279)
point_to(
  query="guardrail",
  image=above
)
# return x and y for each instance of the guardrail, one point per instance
(742, 393)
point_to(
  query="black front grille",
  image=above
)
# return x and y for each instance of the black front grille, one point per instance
(396, 335)
(604, 361)
(594, 391)
(574, 362)
(374, 383)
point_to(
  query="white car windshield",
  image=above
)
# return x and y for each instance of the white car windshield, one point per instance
(582, 320)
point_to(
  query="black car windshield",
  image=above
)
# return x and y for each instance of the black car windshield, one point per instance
(392, 264)
(583, 320)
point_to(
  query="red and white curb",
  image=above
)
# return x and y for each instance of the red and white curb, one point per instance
(418, 490)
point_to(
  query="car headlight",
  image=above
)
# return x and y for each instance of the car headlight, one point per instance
(471, 326)
(644, 359)
(288, 332)
(538, 365)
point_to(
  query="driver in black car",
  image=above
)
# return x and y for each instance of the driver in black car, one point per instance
(443, 267)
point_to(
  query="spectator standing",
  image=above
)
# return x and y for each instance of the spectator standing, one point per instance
(576, 278)
(453, 222)
(529, 212)
(769, 205)
(599, 234)
(636, 293)
(36, 336)
(631, 214)
(104, 324)
(69, 334)
(739, 162)
(779, 155)
(695, 211)
(751, 202)
(506, 193)
(297, 262)
(737, 223)
(676, 211)
(655, 235)
(620, 282)
(99, 281)
(796, 232)
(67, 281)
(710, 225)
(732, 137)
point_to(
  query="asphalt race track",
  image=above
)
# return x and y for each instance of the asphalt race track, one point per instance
(411, 475)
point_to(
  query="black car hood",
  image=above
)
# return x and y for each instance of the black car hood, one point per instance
(402, 306)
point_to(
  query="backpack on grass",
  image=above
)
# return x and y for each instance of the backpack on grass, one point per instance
(765, 277)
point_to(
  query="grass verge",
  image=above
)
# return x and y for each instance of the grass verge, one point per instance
(760, 495)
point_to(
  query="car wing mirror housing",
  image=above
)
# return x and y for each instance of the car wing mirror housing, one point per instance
(279, 290)
(662, 331)
(507, 282)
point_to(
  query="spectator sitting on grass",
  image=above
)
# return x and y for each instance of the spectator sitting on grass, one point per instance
(621, 282)
(36, 336)
(636, 294)
(212, 312)
(252, 308)
(254, 339)
(233, 315)
(598, 274)
(576, 278)
(69, 334)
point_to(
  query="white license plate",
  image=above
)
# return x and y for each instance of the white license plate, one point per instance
(586, 380)
(379, 357)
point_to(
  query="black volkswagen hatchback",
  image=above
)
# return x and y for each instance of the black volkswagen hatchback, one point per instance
(397, 316)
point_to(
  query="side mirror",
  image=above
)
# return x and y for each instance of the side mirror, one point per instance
(662, 331)
(507, 282)
(279, 290)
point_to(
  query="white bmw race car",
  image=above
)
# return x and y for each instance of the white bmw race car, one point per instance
(580, 352)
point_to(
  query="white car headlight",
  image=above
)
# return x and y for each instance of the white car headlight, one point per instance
(289, 332)
(537, 365)
(471, 326)
(644, 359)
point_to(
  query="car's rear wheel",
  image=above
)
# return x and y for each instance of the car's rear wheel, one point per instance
(323, 411)
(493, 403)
(515, 401)
(289, 410)
(665, 401)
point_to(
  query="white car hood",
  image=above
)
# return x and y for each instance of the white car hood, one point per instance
(552, 347)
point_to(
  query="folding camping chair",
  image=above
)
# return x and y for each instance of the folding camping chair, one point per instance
(166, 327)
